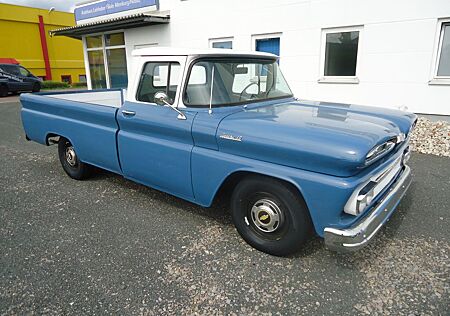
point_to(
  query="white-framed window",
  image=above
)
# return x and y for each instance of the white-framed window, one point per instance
(340, 54)
(441, 68)
(106, 58)
(223, 42)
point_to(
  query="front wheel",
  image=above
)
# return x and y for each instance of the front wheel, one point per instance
(270, 215)
(70, 161)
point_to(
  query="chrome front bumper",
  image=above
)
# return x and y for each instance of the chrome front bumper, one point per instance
(358, 235)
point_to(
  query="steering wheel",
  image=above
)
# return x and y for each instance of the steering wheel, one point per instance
(246, 87)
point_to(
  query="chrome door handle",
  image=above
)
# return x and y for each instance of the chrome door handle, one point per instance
(128, 113)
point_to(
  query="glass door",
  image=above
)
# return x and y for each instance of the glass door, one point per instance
(117, 67)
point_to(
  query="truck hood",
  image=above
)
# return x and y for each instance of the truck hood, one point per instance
(329, 138)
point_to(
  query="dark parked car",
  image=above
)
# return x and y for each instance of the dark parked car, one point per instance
(15, 78)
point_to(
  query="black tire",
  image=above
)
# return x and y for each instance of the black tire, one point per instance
(70, 162)
(36, 87)
(294, 222)
(3, 90)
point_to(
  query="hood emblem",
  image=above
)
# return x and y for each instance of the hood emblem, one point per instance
(231, 137)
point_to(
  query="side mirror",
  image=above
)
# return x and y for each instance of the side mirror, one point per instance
(162, 99)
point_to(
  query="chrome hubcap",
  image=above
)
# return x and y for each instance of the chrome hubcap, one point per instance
(266, 215)
(71, 157)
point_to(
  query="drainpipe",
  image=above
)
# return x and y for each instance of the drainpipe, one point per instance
(48, 70)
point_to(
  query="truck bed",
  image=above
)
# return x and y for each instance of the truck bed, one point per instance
(86, 118)
(113, 98)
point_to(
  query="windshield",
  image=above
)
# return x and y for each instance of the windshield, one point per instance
(234, 81)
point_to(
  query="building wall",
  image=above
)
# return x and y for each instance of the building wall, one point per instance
(396, 51)
(20, 39)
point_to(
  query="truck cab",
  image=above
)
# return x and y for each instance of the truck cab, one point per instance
(197, 123)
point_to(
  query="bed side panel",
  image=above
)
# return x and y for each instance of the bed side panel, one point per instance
(90, 128)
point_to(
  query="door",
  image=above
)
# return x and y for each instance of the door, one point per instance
(27, 77)
(268, 45)
(14, 80)
(154, 145)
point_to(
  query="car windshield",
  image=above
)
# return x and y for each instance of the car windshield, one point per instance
(232, 81)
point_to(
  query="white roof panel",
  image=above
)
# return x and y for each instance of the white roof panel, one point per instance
(178, 51)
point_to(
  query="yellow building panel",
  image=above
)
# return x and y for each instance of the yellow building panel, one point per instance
(26, 14)
(20, 39)
(22, 42)
(72, 54)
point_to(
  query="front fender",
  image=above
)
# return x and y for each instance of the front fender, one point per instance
(325, 195)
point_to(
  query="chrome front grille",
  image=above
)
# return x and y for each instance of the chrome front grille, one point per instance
(368, 191)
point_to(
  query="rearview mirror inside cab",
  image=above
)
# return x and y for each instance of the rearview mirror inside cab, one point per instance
(240, 70)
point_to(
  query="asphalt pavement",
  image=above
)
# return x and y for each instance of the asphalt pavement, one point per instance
(109, 246)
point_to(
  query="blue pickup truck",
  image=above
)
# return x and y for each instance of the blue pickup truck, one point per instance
(196, 124)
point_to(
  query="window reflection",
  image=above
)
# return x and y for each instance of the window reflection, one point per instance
(97, 69)
(117, 67)
(444, 60)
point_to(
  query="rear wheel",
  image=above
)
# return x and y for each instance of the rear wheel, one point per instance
(270, 215)
(70, 161)
(3, 90)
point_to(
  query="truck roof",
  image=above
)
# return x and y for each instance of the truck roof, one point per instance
(178, 51)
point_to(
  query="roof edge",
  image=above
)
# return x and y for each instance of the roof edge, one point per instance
(180, 51)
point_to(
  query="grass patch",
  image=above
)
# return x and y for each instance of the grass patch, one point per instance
(54, 85)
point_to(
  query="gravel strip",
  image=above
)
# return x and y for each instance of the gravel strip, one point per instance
(431, 137)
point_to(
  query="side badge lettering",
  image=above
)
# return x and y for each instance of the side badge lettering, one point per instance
(231, 137)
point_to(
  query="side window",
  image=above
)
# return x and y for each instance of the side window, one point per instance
(157, 77)
(11, 70)
(23, 71)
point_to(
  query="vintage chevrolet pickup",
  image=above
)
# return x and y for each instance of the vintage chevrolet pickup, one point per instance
(196, 124)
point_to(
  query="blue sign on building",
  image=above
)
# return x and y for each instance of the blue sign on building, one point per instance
(106, 7)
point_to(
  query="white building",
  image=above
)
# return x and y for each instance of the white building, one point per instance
(373, 52)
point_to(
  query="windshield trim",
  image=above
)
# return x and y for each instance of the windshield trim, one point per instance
(226, 58)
